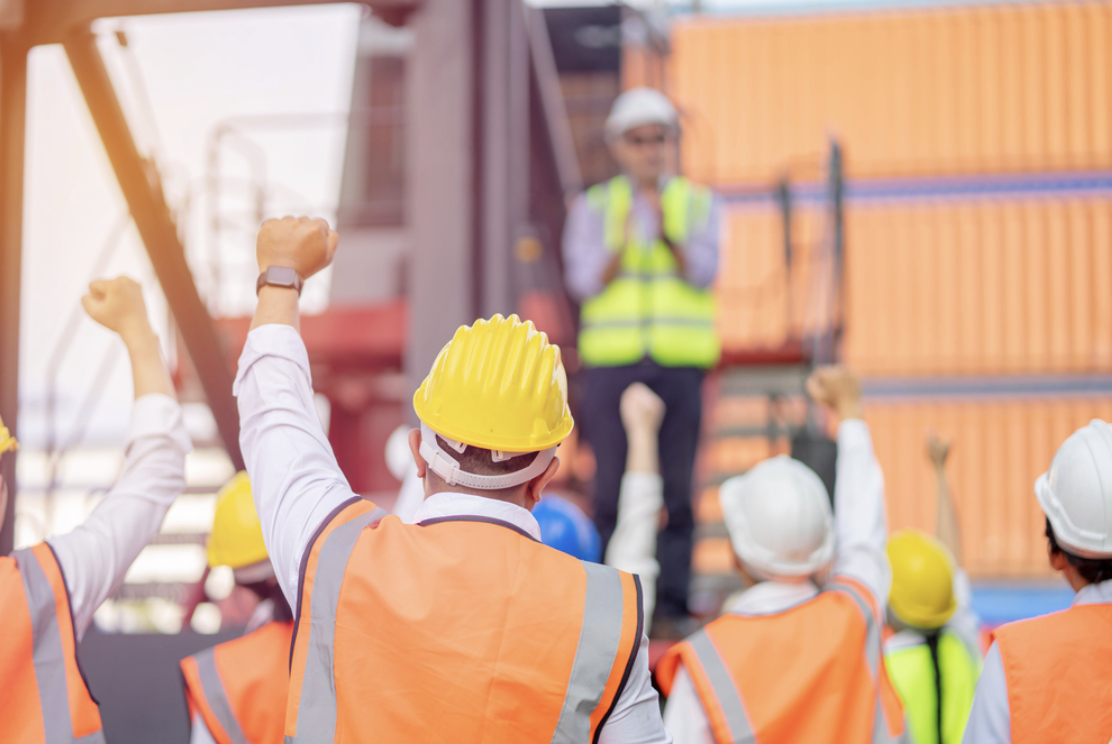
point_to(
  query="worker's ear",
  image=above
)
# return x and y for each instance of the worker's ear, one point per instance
(534, 489)
(415, 448)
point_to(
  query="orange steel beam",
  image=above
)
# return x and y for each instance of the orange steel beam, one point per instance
(142, 190)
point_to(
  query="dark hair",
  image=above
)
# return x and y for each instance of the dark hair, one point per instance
(480, 461)
(1093, 570)
(270, 590)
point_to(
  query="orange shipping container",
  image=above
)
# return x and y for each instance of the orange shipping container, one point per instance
(1009, 87)
(934, 288)
(999, 448)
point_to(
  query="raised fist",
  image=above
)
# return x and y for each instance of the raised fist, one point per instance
(938, 449)
(641, 408)
(837, 387)
(300, 243)
(117, 304)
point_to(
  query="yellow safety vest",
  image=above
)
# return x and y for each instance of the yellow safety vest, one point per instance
(913, 675)
(649, 309)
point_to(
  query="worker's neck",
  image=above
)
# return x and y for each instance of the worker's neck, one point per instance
(518, 496)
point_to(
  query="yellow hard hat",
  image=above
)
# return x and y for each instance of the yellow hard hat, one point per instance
(498, 385)
(237, 535)
(7, 441)
(922, 579)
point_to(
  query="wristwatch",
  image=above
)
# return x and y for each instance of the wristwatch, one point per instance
(280, 276)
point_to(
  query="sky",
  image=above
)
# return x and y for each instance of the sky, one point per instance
(187, 75)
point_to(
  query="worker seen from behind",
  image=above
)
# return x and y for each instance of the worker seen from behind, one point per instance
(797, 656)
(463, 626)
(237, 690)
(1049, 679)
(641, 252)
(933, 656)
(49, 592)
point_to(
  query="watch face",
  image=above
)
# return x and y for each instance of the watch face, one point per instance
(281, 276)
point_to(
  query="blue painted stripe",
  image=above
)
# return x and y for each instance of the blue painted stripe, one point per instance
(1025, 185)
(1005, 602)
(991, 387)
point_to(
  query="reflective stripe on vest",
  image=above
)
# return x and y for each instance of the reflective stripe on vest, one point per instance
(734, 671)
(873, 650)
(648, 309)
(599, 657)
(216, 699)
(1058, 669)
(316, 712)
(913, 675)
(62, 692)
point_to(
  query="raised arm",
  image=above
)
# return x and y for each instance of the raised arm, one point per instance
(859, 514)
(294, 476)
(946, 528)
(96, 556)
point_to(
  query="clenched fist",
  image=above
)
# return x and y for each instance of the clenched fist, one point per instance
(838, 388)
(117, 304)
(300, 243)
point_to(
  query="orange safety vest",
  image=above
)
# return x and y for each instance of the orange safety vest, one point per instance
(811, 673)
(240, 687)
(459, 629)
(45, 699)
(1059, 673)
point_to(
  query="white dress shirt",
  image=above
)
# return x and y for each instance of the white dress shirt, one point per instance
(860, 526)
(297, 484)
(95, 556)
(990, 720)
(632, 547)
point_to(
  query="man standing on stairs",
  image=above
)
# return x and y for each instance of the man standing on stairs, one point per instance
(797, 656)
(641, 252)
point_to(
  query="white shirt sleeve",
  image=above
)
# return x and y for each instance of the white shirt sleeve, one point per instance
(200, 733)
(95, 557)
(295, 479)
(632, 547)
(636, 716)
(860, 522)
(990, 720)
(684, 716)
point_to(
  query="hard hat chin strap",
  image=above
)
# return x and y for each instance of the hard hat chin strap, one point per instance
(446, 466)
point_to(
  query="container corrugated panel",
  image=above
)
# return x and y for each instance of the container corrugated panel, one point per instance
(983, 287)
(999, 448)
(1011, 88)
(934, 288)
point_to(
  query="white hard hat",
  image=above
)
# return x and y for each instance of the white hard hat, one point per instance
(779, 519)
(1076, 493)
(398, 455)
(637, 107)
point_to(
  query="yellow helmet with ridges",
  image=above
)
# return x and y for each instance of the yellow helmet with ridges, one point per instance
(922, 580)
(237, 535)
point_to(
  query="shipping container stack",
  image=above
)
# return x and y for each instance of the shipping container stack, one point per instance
(978, 275)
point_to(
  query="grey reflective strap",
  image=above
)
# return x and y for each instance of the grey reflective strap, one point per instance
(48, 653)
(686, 322)
(729, 699)
(316, 711)
(595, 656)
(215, 697)
(872, 655)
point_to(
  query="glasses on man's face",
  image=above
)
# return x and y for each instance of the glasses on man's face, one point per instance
(642, 141)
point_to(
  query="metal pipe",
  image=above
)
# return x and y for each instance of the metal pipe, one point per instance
(141, 187)
(13, 112)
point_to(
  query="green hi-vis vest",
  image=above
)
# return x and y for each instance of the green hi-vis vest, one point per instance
(912, 673)
(648, 309)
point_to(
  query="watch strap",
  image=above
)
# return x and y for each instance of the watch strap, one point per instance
(280, 276)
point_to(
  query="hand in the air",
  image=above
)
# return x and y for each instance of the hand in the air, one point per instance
(117, 304)
(938, 449)
(641, 409)
(835, 386)
(300, 243)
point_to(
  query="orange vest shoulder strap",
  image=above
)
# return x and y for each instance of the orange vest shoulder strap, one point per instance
(69, 711)
(205, 694)
(322, 573)
(712, 681)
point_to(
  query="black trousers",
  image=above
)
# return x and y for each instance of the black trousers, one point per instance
(681, 390)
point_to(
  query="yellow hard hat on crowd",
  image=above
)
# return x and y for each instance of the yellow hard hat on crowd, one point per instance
(499, 385)
(237, 535)
(7, 441)
(922, 579)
